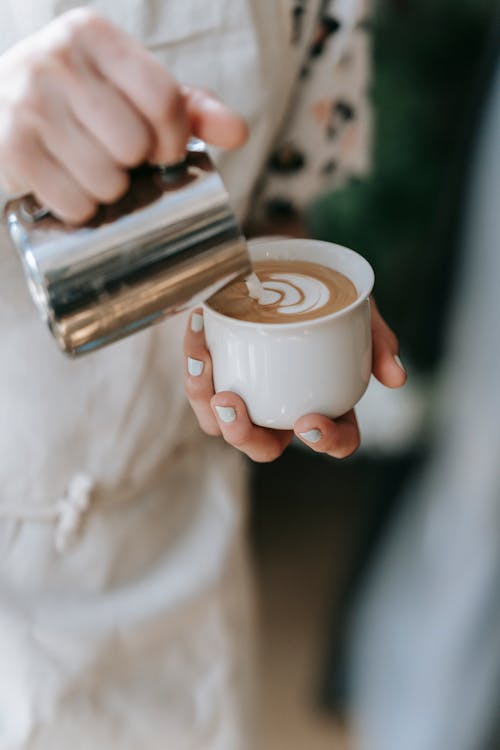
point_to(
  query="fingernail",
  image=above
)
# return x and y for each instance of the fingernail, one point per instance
(311, 436)
(196, 323)
(399, 363)
(195, 367)
(226, 414)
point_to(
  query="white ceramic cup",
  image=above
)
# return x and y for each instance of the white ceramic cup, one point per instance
(285, 370)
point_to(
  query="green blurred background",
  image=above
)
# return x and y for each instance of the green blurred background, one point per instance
(429, 56)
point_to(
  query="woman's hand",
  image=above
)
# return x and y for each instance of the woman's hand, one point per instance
(81, 103)
(225, 413)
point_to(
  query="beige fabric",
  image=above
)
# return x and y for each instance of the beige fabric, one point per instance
(124, 599)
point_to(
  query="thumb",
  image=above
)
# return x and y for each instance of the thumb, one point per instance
(212, 121)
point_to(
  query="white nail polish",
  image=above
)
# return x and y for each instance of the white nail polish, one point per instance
(311, 436)
(195, 367)
(226, 414)
(197, 323)
(399, 363)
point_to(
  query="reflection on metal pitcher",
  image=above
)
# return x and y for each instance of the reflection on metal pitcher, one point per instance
(170, 242)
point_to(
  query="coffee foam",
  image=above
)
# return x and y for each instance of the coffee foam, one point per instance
(294, 293)
(285, 291)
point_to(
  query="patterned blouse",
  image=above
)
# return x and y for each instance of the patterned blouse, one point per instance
(326, 138)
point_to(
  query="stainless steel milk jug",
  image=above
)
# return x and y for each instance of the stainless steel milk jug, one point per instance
(169, 243)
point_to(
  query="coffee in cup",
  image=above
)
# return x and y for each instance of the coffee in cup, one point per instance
(287, 291)
(308, 360)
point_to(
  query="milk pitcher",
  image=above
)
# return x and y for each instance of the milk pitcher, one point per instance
(169, 243)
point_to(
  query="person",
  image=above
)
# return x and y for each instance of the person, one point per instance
(424, 655)
(125, 599)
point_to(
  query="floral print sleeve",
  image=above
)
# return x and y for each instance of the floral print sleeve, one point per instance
(326, 138)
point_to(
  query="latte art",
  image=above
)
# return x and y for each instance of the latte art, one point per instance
(284, 291)
(294, 293)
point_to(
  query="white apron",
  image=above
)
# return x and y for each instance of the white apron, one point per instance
(124, 613)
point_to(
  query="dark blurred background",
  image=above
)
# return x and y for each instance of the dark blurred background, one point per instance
(317, 522)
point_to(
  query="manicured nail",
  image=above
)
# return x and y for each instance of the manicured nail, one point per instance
(311, 436)
(399, 363)
(226, 414)
(197, 323)
(195, 367)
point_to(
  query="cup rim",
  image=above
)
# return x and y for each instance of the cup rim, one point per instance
(312, 321)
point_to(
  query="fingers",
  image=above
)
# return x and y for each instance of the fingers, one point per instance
(387, 366)
(86, 160)
(198, 374)
(212, 121)
(173, 112)
(225, 413)
(338, 438)
(141, 78)
(52, 185)
(110, 119)
(258, 443)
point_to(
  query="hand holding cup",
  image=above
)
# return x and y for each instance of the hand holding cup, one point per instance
(271, 374)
